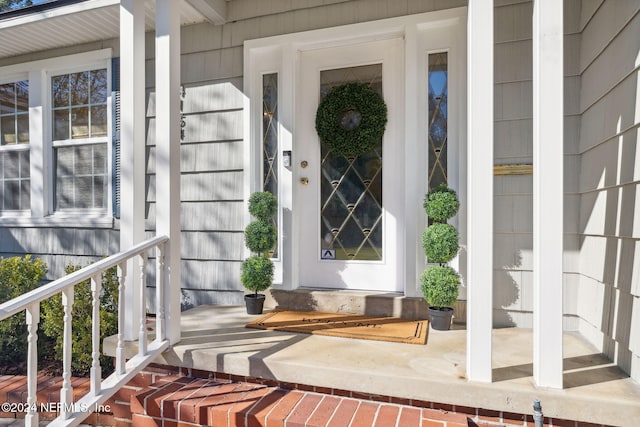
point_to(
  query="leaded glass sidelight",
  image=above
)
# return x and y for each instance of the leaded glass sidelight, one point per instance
(270, 138)
(438, 94)
(351, 187)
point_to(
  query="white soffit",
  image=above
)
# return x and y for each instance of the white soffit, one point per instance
(73, 24)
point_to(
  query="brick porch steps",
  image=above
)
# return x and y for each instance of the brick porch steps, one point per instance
(185, 401)
(13, 390)
(164, 396)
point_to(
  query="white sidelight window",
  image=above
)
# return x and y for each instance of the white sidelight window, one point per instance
(270, 140)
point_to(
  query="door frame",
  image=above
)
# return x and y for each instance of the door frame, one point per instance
(422, 33)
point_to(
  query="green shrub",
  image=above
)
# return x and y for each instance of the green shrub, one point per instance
(441, 203)
(18, 275)
(260, 236)
(52, 321)
(440, 285)
(440, 242)
(263, 205)
(256, 273)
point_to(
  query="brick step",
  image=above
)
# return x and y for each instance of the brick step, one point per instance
(184, 401)
(13, 393)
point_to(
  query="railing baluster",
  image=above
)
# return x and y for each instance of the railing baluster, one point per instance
(120, 350)
(142, 336)
(96, 369)
(33, 318)
(72, 412)
(161, 331)
(66, 393)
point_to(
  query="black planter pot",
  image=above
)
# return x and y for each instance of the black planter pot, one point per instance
(440, 318)
(254, 303)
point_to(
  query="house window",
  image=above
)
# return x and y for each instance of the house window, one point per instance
(15, 183)
(79, 129)
(438, 96)
(270, 138)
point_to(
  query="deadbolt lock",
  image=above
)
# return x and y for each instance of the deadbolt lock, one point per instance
(304, 180)
(304, 164)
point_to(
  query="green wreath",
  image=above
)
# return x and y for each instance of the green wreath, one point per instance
(351, 119)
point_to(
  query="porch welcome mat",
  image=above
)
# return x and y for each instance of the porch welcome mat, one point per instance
(345, 325)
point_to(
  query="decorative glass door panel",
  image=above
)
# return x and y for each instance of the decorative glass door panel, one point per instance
(351, 187)
(348, 211)
(438, 98)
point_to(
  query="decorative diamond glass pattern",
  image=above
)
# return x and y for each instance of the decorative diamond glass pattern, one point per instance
(351, 188)
(270, 139)
(438, 94)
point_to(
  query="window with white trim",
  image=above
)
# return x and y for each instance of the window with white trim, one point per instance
(79, 129)
(56, 141)
(15, 183)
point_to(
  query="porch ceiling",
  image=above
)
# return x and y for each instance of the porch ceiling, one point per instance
(83, 22)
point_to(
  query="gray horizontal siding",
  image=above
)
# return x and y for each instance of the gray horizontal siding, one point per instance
(211, 157)
(218, 95)
(212, 245)
(206, 216)
(205, 186)
(206, 127)
(59, 241)
(59, 247)
(215, 275)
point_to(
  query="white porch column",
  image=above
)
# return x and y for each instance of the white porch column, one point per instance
(479, 189)
(168, 152)
(132, 146)
(547, 192)
(38, 177)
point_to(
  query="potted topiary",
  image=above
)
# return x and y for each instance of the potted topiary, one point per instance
(256, 272)
(440, 241)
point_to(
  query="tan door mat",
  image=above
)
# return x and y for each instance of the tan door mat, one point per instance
(345, 325)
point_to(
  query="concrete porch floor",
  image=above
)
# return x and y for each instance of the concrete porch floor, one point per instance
(214, 339)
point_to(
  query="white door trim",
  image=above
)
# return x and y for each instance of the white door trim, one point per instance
(422, 33)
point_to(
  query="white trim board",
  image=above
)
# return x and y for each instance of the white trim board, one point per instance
(422, 34)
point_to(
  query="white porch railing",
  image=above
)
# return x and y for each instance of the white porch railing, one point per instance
(73, 413)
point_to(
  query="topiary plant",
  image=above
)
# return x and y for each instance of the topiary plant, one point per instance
(260, 236)
(440, 285)
(440, 241)
(256, 272)
(441, 203)
(263, 206)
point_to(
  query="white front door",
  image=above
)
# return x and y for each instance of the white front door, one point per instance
(350, 211)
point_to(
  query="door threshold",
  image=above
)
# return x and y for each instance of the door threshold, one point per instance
(370, 303)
